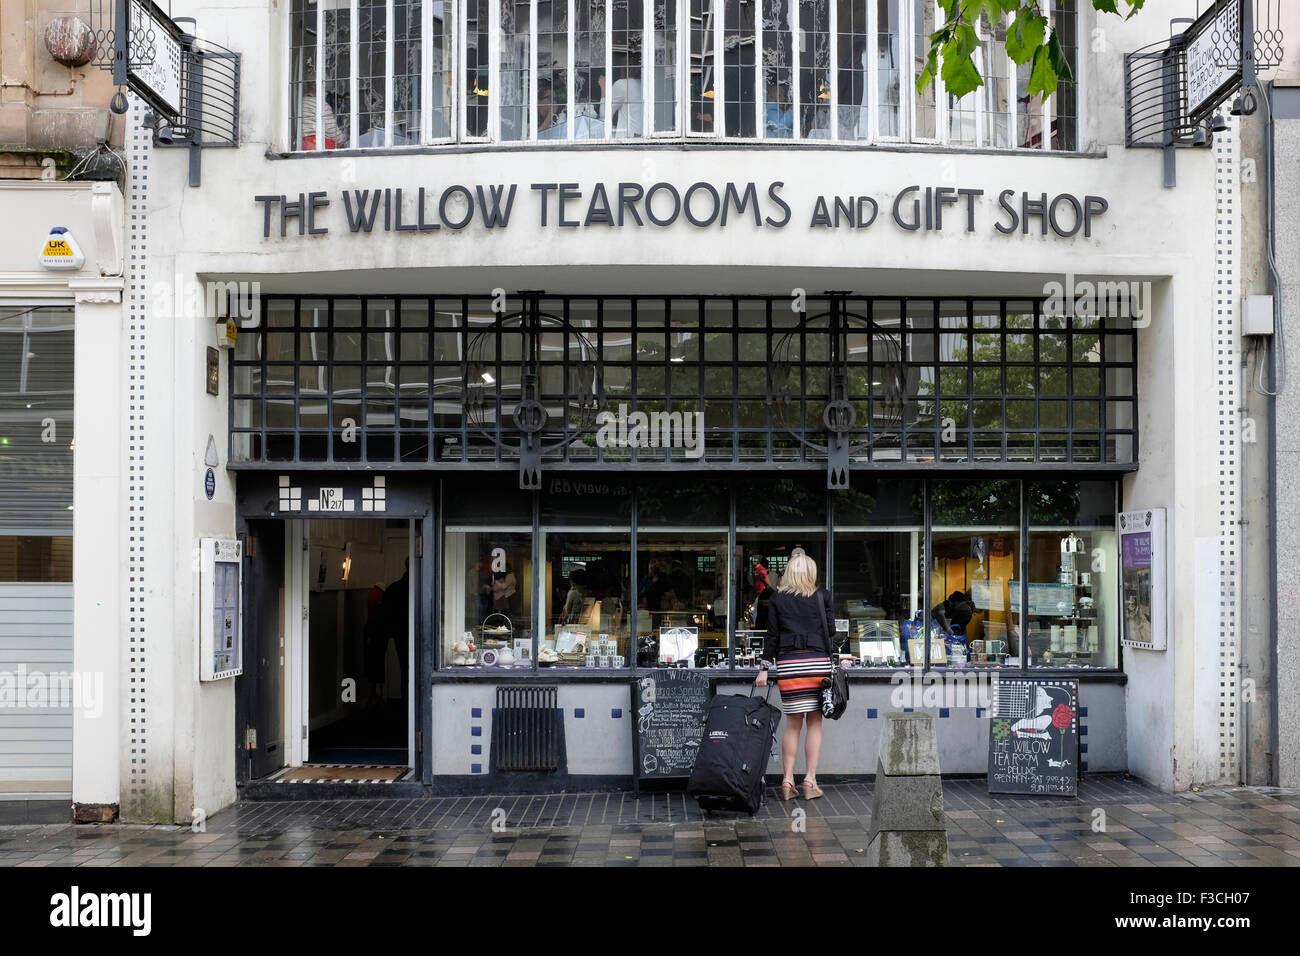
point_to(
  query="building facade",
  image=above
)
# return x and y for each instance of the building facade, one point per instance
(554, 321)
(62, 378)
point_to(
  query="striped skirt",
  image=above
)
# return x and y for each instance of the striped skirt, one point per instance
(800, 676)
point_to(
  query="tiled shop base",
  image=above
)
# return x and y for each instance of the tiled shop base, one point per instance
(1113, 822)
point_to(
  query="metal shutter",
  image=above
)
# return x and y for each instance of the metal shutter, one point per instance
(35, 636)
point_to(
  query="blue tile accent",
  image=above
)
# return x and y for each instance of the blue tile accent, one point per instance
(476, 713)
(1083, 748)
(871, 713)
(1083, 711)
(943, 711)
(476, 768)
(476, 749)
(616, 713)
(1083, 730)
(979, 712)
(476, 731)
(579, 712)
(909, 710)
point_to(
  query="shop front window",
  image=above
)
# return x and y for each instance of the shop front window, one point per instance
(488, 588)
(488, 575)
(975, 542)
(878, 572)
(773, 518)
(1073, 617)
(587, 599)
(586, 527)
(681, 606)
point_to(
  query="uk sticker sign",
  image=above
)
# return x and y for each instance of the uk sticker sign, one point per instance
(61, 251)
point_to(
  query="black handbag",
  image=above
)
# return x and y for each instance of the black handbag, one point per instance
(839, 681)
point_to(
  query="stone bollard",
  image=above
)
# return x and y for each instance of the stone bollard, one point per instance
(907, 826)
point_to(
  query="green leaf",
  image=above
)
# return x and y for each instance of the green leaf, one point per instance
(1042, 81)
(1026, 35)
(1106, 6)
(964, 41)
(1060, 63)
(960, 76)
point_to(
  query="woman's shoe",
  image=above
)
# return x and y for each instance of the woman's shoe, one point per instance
(788, 790)
(811, 791)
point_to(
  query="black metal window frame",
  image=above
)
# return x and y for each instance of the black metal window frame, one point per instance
(438, 382)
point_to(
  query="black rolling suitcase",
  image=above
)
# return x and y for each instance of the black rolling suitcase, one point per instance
(739, 733)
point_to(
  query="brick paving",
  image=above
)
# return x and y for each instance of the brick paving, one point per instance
(1115, 821)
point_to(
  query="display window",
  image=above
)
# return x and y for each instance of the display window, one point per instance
(488, 598)
(879, 544)
(975, 544)
(1073, 615)
(586, 599)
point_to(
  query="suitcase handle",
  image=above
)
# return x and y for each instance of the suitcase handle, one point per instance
(768, 696)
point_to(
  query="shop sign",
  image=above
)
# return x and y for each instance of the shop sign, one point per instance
(914, 208)
(1034, 737)
(1213, 45)
(668, 705)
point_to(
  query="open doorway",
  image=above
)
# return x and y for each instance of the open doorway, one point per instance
(355, 656)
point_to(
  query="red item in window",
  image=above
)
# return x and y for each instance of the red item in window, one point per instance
(309, 142)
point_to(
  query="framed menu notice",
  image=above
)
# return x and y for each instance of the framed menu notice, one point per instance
(1144, 620)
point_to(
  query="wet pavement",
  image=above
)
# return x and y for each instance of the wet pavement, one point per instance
(1114, 821)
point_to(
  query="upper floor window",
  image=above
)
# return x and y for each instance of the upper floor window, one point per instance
(372, 73)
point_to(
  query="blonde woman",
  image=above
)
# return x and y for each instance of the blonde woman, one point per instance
(800, 622)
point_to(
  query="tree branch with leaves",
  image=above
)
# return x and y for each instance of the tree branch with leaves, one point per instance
(1030, 38)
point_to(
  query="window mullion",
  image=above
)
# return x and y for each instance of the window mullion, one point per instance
(607, 113)
(426, 71)
(647, 68)
(319, 91)
(942, 133)
(760, 88)
(833, 79)
(494, 71)
(907, 71)
(354, 56)
(683, 68)
(1046, 121)
(571, 104)
(796, 48)
(719, 68)
(871, 80)
(532, 69)
(390, 20)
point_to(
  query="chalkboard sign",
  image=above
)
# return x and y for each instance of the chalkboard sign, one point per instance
(670, 705)
(1034, 737)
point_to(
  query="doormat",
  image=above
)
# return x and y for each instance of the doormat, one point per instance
(340, 773)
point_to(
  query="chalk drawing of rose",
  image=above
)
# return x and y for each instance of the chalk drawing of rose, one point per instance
(1062, 717)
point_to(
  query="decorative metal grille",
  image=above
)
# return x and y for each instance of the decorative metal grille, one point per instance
(414, 382)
